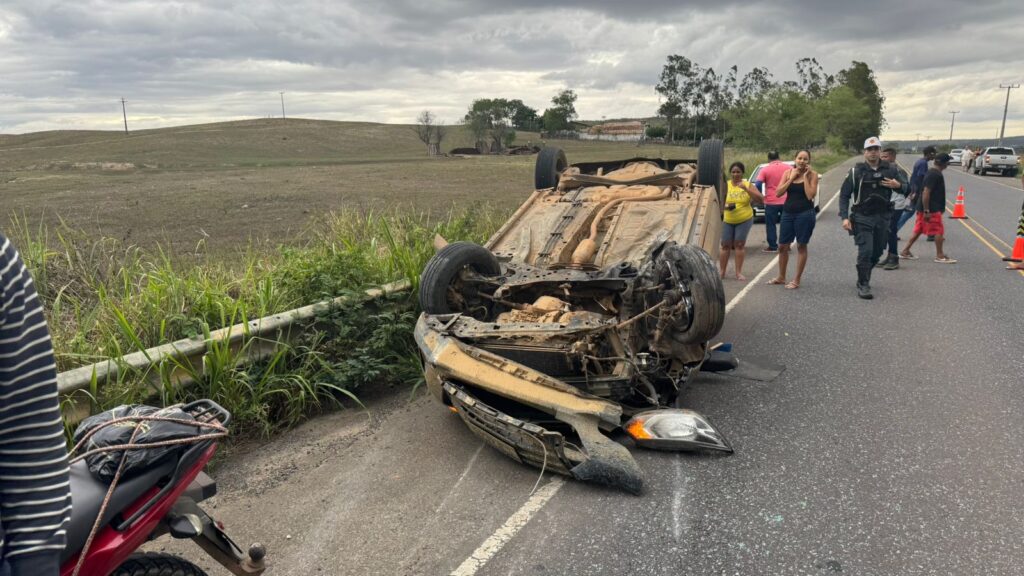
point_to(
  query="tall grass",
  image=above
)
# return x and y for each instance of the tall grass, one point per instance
(105, 299)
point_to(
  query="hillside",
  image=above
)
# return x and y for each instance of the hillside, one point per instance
(228, 184)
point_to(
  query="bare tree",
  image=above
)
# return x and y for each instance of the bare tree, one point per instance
(430, 131)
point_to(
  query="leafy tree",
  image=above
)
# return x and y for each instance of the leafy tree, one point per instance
(861, 80)
(562, 111)
(523, 117)
(814, 82)
(489, 119)
(696, 94)
(657, 131)
(845, 116)
(754, 84)
(782, 118)
(671, 110)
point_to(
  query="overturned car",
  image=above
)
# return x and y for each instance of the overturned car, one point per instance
(584, 315)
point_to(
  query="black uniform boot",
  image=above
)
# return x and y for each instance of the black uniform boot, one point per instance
(892, 262)
(864, 282)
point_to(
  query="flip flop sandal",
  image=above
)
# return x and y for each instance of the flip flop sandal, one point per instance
(792, 286)
(907, 256)
(946, 260)
(776, 282)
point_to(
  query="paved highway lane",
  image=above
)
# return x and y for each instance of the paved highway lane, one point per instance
(993, 205)
(891, 444)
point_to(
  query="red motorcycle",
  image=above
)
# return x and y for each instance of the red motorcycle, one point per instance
(157, 501)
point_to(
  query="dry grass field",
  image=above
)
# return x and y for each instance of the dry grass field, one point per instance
(226, 185)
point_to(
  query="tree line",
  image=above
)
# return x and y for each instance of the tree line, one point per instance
(493, 121)
(758, 111)
(835, 109)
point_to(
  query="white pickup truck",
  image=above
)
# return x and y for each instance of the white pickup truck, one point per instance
(997, 159)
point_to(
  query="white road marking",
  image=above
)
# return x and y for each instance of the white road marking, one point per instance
(502, 535)
(470, 566)
(455, 486)
(677, 500)
(771, 264)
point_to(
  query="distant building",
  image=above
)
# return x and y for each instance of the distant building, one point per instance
(629, 131)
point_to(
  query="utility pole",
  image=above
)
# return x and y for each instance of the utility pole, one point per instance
(1005, 108)
(282, 106)
(124, 115)
(951, 122)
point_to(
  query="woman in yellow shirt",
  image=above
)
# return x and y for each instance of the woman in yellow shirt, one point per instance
(739, 218)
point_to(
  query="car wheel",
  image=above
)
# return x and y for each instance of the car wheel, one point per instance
(548, 170)
(711, 167)
(707, 292)
(439, 283)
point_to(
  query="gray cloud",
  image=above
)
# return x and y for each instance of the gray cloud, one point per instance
(66, 64)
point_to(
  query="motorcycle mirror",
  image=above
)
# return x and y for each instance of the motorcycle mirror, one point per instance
(676, 429)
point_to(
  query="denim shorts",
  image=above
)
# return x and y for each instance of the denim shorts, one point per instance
(798, 226)
(736, 232)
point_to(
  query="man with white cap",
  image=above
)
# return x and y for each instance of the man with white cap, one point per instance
(865, 206)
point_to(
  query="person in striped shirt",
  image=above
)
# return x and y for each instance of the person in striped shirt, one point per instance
(35, 493)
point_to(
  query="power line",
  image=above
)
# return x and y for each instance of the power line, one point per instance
(1005, 108)
(124, 115)
(951, 122)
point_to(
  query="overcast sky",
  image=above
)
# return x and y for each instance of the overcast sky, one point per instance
(65, 64)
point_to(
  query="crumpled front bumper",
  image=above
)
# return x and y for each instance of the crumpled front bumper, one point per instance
(452, 364)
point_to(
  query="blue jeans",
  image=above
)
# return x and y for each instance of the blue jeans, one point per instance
(897, 222)
(904, 217)
(772, 217)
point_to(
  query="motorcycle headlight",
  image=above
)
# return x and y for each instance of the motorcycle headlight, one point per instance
(675, 429)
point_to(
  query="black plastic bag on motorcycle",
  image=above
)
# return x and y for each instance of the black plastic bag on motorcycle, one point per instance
(104, 465)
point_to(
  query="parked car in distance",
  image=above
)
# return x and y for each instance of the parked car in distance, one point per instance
(957, 155)
(759, 208)
(1000, 159)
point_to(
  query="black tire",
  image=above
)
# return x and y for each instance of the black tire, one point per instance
(708, 293)
(156, 564)
(711, 167)
(548, 171)
(443, 269)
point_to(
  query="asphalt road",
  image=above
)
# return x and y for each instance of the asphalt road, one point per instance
(892, 443)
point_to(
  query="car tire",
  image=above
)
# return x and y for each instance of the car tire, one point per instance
(708, 293)
(157, 564)
(443, 269)
(548, 170)
(711, 167)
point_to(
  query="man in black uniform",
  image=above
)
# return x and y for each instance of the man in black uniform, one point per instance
(865, 206)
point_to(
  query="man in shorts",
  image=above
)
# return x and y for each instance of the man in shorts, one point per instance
(917, 178)
(930, 206)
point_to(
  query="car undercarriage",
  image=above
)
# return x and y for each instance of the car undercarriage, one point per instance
(584, 315)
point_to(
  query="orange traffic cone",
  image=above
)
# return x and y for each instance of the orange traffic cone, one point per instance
(1018, 247)
(958, 208)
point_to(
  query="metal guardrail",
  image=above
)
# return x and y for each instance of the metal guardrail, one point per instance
(259, 338)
